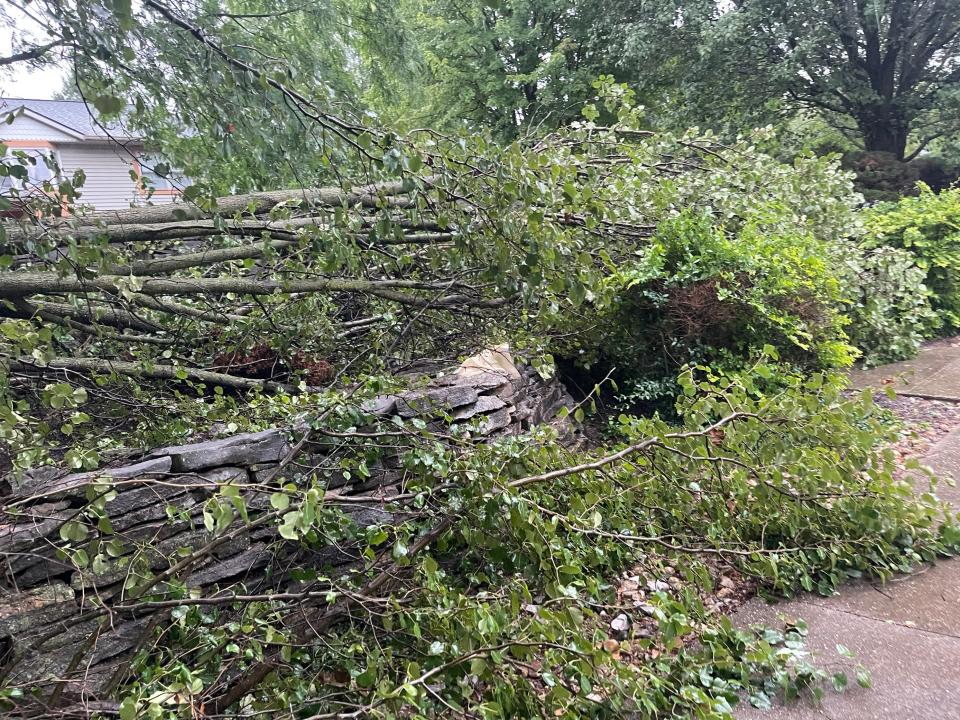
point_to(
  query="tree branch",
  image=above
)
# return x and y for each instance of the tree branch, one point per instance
(95, 314)
(21, 285)
(183, 261)
(34, 53)
(139, 370)
(28, 311)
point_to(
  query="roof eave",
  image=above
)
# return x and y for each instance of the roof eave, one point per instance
(33, 115)
(112, 138)
(66, 129)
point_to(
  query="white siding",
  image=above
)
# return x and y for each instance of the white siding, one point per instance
(26, 128)
(107, 166)
(108, 185)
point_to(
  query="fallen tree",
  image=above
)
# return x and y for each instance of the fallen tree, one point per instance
(403, 549)
(378, 558)
(294, 289)
(378, 561)
(96, 561)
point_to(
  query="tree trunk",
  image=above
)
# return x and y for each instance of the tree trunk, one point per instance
(71, 619)
(884, 130)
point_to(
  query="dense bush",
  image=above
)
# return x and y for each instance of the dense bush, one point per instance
(889, 307)
(928, 227)
(752, 252)
(744, 255)
(880, 176)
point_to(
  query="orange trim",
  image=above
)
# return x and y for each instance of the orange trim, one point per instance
(29, 144)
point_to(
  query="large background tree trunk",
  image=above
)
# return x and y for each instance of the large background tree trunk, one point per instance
(884, 131)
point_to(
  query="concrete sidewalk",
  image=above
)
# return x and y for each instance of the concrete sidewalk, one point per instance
(907, 632)
(934, 373)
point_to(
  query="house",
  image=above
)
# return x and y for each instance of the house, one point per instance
(107, 153)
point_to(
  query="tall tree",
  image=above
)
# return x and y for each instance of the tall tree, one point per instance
(885, 72)
(510, 66)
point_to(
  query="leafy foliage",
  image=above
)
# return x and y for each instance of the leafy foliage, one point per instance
(892, 314)
(742, 256)
(592, 219)
(182, 74)
(926, 226)
(499, 615)
(513, 67)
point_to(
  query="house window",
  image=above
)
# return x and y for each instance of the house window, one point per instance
(38, 164)
(158, 176)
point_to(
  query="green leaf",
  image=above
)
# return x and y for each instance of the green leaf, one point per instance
(367, 678)
(122, 9)
(108, 104)
(839, 680)
(128, 709)
(73, 531)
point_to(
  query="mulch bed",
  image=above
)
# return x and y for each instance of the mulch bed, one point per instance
(925, 422)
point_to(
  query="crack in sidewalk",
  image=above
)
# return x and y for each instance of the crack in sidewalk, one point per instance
(913, 628)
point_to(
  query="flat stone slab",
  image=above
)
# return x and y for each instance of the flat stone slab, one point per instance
(934, 373)
(244, 449)
(435, 401)
(76, 483)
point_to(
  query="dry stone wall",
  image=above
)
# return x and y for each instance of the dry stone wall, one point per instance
(66, 628)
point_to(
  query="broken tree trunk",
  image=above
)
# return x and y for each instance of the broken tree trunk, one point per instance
(95, 562)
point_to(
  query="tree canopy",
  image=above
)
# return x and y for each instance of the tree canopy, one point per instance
(513, 67)
(885, 73)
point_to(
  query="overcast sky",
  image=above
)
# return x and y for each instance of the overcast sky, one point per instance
(19, 81)
(35, 85)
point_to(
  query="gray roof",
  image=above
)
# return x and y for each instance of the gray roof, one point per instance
(75, 115)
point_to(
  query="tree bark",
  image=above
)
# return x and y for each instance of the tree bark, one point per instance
(23, 285)
(70, 628)
(258, 203)
(133, 369)
(884, 130)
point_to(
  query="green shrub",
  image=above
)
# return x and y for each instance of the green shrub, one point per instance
(747, 253)
(880, 176)
(744, 251)
(889, 308)
(927, 226)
